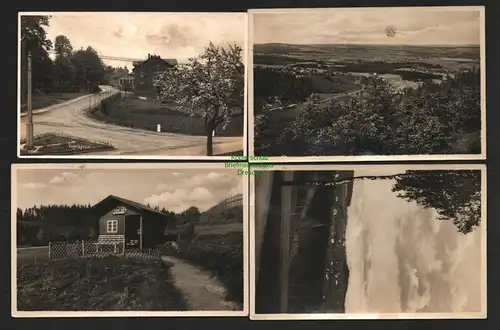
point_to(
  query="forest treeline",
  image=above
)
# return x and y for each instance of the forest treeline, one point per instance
(71, 70)
(434, 118)
(38, 225)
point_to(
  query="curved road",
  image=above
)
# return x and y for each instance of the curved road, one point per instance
(70, 118)
(321, 101)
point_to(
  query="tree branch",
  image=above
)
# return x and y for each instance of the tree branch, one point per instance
(355, 178)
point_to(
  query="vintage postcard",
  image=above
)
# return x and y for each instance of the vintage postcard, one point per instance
(368, 242)
(132, 85)
(355, 84)
(106, 240)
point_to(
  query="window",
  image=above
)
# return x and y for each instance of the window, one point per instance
(120, 210)
(112, 226)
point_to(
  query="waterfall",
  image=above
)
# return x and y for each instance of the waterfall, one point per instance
(403, 259)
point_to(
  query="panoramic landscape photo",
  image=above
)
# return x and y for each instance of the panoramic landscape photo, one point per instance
(367, 81)
(369, 242)
(130, 238)
(131, 84)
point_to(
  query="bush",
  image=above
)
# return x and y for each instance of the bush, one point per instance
(220, 254)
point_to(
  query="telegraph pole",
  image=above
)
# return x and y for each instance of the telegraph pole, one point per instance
(29, 124)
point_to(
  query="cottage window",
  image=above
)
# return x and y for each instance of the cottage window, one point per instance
(112, 226)
(120, 210)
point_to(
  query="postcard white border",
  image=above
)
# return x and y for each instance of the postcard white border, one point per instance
(117, 166)
(338, 316)
(125, 157)
(482, 64)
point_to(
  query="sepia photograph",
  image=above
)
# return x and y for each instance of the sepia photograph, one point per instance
(129, 240)
(132, 85)
(368, 242)
(367, 83)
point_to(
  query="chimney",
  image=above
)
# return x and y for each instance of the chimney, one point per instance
(149, 56)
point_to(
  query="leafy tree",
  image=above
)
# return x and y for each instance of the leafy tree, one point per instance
(433, 118)
(34, 41)
(89, 68)
(210, 85)
(62, 46)
(64, 70)
(455, 195)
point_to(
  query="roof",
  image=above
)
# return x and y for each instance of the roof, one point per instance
(171, 61)
(133, 204)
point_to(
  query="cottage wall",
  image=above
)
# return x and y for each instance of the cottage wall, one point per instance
(110, 216)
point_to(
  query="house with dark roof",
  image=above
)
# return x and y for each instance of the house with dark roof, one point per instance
(145, 72)
(132, 224)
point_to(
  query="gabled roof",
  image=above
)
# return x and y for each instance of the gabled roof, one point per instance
(133, 204)
(170, 61)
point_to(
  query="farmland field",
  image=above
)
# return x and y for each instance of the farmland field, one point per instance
(286, 75)
(100, 284)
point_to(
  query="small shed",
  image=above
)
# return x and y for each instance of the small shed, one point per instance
(137, 225)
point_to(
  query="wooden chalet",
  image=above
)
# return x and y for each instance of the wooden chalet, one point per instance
(135, 225)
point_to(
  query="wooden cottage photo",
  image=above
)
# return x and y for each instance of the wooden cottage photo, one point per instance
(133, 224)
(134, 239)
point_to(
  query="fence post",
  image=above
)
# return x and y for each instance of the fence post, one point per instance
(123, 248)
(115, 247)
(83, 248)
(49, 248)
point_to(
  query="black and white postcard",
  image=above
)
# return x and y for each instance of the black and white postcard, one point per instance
(132, 85)
(367, 83)
(368, 242)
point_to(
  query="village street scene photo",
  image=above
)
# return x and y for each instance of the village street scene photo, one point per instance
(129, 237)
(367, 82)
(130, 83)
(369, 242)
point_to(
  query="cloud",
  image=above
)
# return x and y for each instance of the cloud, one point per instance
(34, 185)
(65, 178)
(414, 26)
(202, 190)
(169, 35)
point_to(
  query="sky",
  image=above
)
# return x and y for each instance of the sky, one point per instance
(174, 189)
(402, 259)
(135, 35)
(368, 26)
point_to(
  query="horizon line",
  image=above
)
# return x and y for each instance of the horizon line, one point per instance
(365, 44)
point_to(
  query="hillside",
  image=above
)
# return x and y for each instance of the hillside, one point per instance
(223, 213)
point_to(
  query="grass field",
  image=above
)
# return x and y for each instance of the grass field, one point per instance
(40, 101)
(218, 229)
(101, 284)
(147, 114)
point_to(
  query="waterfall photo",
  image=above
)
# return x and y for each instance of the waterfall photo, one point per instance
(368, 242)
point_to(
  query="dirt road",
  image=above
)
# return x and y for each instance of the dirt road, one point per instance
(202, 291)
(71, 119)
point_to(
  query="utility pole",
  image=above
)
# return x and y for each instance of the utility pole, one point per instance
(29, 124)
